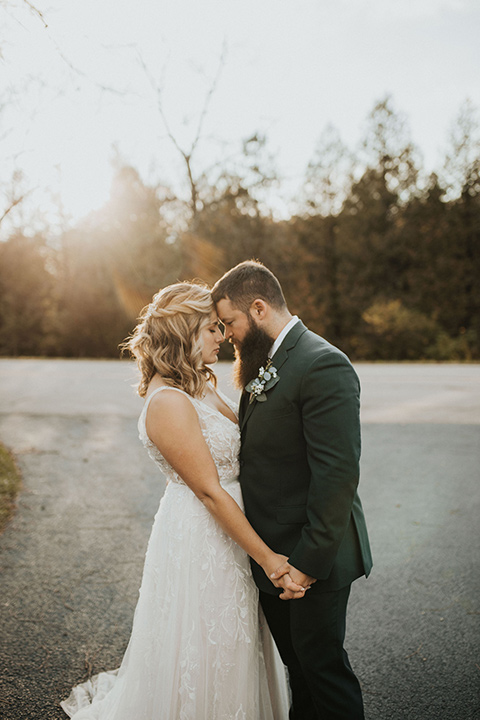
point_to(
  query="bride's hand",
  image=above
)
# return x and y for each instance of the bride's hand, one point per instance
(291, 590)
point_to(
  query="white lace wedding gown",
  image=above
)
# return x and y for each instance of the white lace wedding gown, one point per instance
(199, 650)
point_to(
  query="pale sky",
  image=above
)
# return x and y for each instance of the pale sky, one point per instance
(290, 69)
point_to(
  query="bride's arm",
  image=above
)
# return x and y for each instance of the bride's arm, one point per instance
(172, 424)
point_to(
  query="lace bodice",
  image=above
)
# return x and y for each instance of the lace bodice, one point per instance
(221, 435)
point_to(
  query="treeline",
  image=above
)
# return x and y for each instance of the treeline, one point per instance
(379, 259)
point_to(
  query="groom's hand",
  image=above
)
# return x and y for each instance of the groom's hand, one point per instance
(291, 590)
(297, 576)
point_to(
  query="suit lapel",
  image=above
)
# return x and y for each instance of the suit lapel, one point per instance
(288, 343)
(280, 357)
(248, 411)
(242, 407)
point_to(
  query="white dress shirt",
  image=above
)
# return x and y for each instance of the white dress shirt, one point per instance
(281, 336)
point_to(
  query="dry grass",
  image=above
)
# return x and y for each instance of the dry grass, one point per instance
(10, 481)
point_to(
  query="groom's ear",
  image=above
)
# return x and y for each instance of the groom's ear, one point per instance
(259, 310)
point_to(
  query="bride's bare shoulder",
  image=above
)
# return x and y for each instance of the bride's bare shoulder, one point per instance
(172, 405)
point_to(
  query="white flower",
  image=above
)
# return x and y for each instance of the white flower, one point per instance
(266, 379)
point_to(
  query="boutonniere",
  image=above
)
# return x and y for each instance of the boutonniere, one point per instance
(266, 379)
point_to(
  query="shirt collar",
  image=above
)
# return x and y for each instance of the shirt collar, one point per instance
(282, 335)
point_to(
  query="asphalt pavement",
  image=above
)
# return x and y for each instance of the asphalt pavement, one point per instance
(71, 559)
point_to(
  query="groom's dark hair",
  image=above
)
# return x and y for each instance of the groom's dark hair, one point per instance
(246, 282)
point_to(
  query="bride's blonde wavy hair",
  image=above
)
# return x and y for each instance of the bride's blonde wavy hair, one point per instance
(167, 340)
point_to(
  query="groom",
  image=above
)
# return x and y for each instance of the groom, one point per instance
(299, 467)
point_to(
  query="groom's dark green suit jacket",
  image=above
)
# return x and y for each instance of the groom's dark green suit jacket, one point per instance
(299, 463)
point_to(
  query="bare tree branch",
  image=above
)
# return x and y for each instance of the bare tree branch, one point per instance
(36, 12)
(7, 4)
(16, 201)
(157, 89)
(187, 155)
(81, 73)
(62, 55)
(213, 87)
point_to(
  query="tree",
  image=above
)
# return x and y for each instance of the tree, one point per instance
(195, 180)
(388, 148)
(328, 182)
(27, 300)
(373, 257)
(234, 222)
(394, 331)
(13, 188)
(13, 185)
(111, 264)
(462, 159)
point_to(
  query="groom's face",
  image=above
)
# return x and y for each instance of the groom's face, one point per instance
(237, 323)
(249, 339)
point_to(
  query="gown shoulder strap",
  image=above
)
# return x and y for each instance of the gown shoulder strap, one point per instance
(163, 387)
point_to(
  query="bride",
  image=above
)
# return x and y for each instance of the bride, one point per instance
(200, 648)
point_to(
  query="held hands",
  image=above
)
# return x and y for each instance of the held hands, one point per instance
(296, 579)
(291, 590)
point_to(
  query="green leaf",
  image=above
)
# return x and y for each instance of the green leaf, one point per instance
(271, 382)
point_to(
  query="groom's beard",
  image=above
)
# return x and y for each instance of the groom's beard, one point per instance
(251, 354)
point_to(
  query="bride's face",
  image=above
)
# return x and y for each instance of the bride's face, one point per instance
(211, 337)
